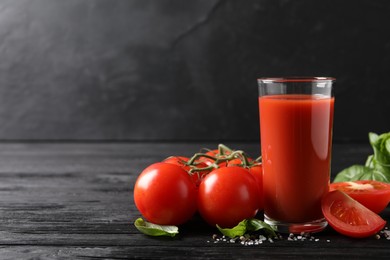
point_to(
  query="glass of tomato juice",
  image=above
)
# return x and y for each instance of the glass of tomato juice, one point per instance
(296, 121)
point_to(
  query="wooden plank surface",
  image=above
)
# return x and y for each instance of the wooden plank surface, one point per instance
(74, 200)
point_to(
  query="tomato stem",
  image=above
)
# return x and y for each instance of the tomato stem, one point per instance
(225, 154)
(196, 156)
(223, 149)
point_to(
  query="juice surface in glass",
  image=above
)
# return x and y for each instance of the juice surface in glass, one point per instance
(296, 137)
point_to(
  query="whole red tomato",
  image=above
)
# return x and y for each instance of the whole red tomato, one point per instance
(165, 194)
(227, 196)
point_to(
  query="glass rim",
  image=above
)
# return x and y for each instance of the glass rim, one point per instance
(295, 79)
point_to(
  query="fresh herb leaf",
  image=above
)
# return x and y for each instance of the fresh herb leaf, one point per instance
(372, 137)
(360, 172)
(370, 161)
(247, 225)
(151, 229)
(353, 173)
(236, 231)
(381, 147)
(377, 166)
(255, 225)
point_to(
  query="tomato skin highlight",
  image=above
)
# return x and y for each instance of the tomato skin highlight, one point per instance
(227, 196)
(374, 195)
(165, 194)
(348, 217)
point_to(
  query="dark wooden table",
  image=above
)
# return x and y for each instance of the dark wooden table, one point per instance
(74, 200)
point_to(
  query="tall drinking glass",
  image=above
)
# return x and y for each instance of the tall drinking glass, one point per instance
(296, 120)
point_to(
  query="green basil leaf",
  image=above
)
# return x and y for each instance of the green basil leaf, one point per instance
(374, 174)
(381, 147)
(359, 172)
(151, 229)
(370, 161)
(382, 171)
(373, 138)
(377, 166)
(256, 224)
(236, 231)
(380, 176)
(352, 173)
(247, 225)
(387, 145)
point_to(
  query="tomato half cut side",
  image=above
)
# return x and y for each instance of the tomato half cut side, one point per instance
(349, 217)
(374, 195)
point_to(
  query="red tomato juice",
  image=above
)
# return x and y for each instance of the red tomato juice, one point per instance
(296, 138)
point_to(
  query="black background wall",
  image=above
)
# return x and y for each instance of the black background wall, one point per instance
(184, 70)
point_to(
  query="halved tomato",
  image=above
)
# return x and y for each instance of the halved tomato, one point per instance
(374, 195)
(349, 217)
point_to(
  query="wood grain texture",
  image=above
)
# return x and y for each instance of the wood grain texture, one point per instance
(74, 200)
